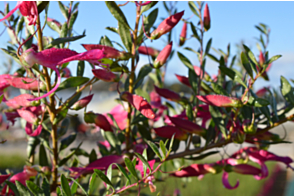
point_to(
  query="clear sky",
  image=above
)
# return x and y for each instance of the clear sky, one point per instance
(231, 22)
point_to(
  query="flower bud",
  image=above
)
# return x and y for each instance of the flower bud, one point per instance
(148, 51)
(168, 131)
(220, 100)
(109, 52)
(187, 125)
(183, 80)
(82, 102)
(183, 34)
(206, 18)
(66, 73)
(99, 120)
(163, 55)
(105, 75)
(166, 25)
(168, 94)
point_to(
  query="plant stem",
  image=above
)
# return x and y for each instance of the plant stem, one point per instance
(52, 113)
(132, 76)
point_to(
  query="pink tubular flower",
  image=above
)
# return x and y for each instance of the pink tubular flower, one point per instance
(22, 177)
(139, 103)
(166, 25)
(102, 163)
(25, 83)
(163, 55)
(4, 177)
(28, 9)
(206, 18)
(148, 51)
(99, 120)
(110, 52)
(30, 132)
(168, 131)
(220, 100)
(20, 101)
(53, 57)
(120, 116)
(4, 81)
(194, 170)
(187, 125)
(82, 102)
(183, 34)
(183, 80)
(168, 94)
(105, 75)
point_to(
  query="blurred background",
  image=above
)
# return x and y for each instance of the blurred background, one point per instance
(231, 23)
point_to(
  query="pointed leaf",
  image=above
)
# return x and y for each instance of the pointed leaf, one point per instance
(185, 61)
(72, 82)
(64, 40)
(147, 7)
(117, 13)
(246, 64)
(35, 189)
(92, 184)
(125, 36)
(67, 141)
(131, 167)
(103, 177)
(43, 160)
(155, 149)
(163, 148)
(208, 45)
(13, 187)
(81, 187)
(287, 90)
(45, 187)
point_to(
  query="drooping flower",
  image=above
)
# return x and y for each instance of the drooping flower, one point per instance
(99, 120)
(166, 25)
(163, 56)
(53, 57)
(105, 75)
(20, 101)
(28, 9)
(168, 94)
(110, 52)
(66, 73)
(168, 131)
(148, 51)
(139, 103)
(25, 83)
(82, 102)
(220, 100)
(187, 125)
(120, 116)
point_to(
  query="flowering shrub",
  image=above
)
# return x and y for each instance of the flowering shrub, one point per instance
(144, 131)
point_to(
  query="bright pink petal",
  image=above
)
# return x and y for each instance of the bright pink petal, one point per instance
(29, 116)
(19, 3)
(168, 131)
(30, 131)
(19, 101)
(4, 177)
(220, 100)
(226, 183)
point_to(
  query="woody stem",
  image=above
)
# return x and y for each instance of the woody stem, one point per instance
(132, 76)
(52, 113)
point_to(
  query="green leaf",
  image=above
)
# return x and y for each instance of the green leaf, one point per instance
(125, 36)
(64, 31)
(34, 188)
(123, 171)
(65, 186)
(246, 64)
(113, 29)
(67, 141)
(31, 146)
(171, 142)
(150, 19)
(70, 103)
(73, 188)
(12, 54)
(274, 58)
(109, 175)
(72, 82)
(208, 45)
(103, 177)
(68, 156)
(186, 61)
(232, 74)
(54, 27)
(261, 30)
(253, 61)
(112, 139)
(19, 26)
(155, 149)
(13, 188)
(45, 187)
(144, 71)
(63, 10)
(72, 19)
(92, 156)
(92, 184)
(257, 102)
(218, 120)
(193, 80)
(147, 7)
(163, 148)
(42, 5)
(81, 187)
(43, 160)
(1, 98)
(193, 8)
(218, 89)
(212, 57)
(64, 40)
(131, 167)
(194, 31)
(287, 90)
(117, 13)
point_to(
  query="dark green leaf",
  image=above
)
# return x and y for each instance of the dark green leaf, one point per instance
(200, 157)
(193, 80)
(257, 102)
(14, 189)
(92, 184)
(72, 82)
(261, 30)
(131, 167)
(20, 25)
(81, 187)
(193, 8)
(246, 64)
(123, 171)
(43, 160)
(65, 186)
(144, 71)
(163, 148)
(218, 89)
(64, 40)
(113, 29)
(92, 156)
(45, 187)
(185, 61)
(155, 149)
(213, 57)
(125, 36)
(68, 156)
(63, 10)
(103, 177)
(42, 5)
(194, 30)
(274, 58)
(31, 146)
(287, 90)
(232, 74)
(150, 19)
(34, 188)
(208, 45)
(253, 61)
(72, 19)
(67, 141)
(117, 13)
(218, 120)
(64, 127)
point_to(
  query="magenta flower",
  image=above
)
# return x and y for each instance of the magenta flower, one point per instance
(110, 52)
(149, 178)
(183, 80)
(82, 102)
(4, 81)
(25, 83)
(53, 57)
(66, 73)
(195, 170)
(105, 75)
(142, 4)
(4, 177)
(99, 120)
(168, 94)
(168, 131)
(148, 51)
(139, 103)
(163, 56)
(187, 125)
(120, 116)
(183, 34)
(166, 25)
(28, 9)
(220, 100)
(102, 163)
(33, 133)
(20, 101)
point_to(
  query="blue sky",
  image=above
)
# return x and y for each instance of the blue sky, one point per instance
(231, 22)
